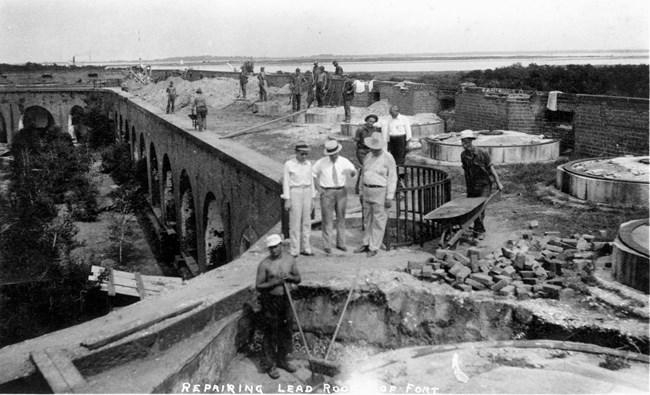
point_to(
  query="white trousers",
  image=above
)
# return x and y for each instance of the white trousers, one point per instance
(375, 217)
(300, 220)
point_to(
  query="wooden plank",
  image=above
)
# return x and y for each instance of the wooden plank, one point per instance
(104, 340)
(58, 370)
(191, 264)
(138, 281)
(111, 283)
(252, 128)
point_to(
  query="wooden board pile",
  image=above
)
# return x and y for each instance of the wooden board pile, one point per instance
(530, 267)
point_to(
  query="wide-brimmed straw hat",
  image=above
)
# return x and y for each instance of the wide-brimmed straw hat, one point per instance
(273, 240)
(371, 115)
(467, 134)
(375, 141)
(302, 147)
(332, 147)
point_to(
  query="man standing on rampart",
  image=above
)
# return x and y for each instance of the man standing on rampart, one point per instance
(272, 274)
(261, 79)
(171, 97)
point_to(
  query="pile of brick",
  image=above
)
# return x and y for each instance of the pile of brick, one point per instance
(530, 267)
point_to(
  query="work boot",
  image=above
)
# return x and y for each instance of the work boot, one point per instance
(361, 249)
(287, 366)
(371, 254)
(273, 373)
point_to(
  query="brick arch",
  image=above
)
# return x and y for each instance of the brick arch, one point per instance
(215, 233)
(168, 198)
(4, 134)
(133, 144)
(188, 226)
(37, 116)
(76, 128)
(154, 176)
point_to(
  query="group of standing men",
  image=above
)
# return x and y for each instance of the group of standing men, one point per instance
(315, 83)
(379, 148)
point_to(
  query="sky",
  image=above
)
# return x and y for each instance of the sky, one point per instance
(106, 30)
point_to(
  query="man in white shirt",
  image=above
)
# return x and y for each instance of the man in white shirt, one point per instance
(397, 132)
(330, 174)
(298, 192)
(378, 184)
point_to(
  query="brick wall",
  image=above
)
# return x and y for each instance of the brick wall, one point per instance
(592, 125)
(611, 126)
(409, 97)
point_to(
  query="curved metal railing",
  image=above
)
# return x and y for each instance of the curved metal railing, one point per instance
(423, 190)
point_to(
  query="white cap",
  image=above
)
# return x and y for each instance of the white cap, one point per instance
(467, 134)
(273, 240)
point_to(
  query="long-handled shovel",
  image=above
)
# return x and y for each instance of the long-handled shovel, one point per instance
(323, 366)
(314, 381)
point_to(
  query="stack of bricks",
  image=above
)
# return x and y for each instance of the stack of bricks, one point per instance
(530, 267)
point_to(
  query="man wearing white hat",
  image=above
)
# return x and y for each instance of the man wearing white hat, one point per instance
(330, 175)
(298, 192)
(478, 168)
(272, 273)
(377, 189)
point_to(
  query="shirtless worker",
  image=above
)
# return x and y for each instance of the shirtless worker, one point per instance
(272, 273)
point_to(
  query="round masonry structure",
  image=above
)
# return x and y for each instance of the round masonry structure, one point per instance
(621, 181)
(504, 146)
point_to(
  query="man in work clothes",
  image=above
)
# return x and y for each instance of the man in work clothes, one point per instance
(296, 90)
(298, 192)
(272, 273)
(365, 130)
(397, 132)
(348, 96)
(330, 174)
(171, 97)
(309, 77)
(261, 79)
(201, 109)
(243, 80)
(378, 184)
(321, 85)
(338, 70)
(478, 168)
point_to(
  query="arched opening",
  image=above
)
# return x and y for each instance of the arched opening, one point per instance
(188, 218)
(121, 130)
(76, 128)
(3, 131)
(133, 145)
(216, 253)
(37, 117)
(155, 178)
(141, 166)
(142, 153)
(169, 204)
(126, 131)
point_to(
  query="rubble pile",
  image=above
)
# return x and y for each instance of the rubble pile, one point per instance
(530, 267)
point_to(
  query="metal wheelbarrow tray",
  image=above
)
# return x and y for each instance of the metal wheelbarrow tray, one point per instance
(457, 215)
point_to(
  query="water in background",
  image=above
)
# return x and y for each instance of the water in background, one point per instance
(452, 63)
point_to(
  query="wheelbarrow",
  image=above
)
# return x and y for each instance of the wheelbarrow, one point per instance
(194, 118)
(456, 216)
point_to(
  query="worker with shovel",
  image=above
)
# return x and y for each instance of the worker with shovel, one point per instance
(273, 274)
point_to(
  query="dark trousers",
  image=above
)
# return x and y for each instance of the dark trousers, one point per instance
(346, 108)
(397, 148)
(295, 102)
(479, 191)
(320, 95)
(263, 94)
(310, 97)
(242, 85)
(277, 342)
(170, 104)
